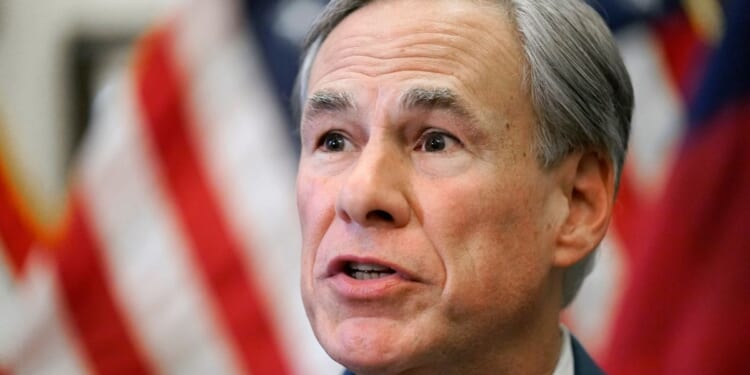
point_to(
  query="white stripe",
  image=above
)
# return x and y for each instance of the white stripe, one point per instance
(34, 337)
(242, 140)
(659, 113)
(144, 250)
(7, 300)
(6, 280)
(656, 129)
(593, 310)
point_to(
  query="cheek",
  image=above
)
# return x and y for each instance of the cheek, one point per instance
(315, 201)
(479, 212)
(489, 242)
(315, 205)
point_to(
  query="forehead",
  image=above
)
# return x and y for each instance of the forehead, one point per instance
(470, 46)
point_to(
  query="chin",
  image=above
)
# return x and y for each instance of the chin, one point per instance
(368, 348)
(368, 366)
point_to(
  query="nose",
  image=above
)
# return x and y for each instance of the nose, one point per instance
(374, 193)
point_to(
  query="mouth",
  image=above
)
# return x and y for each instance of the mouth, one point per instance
(367, 278)
(362, 269)
(366, 271)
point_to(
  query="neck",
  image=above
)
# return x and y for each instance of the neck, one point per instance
(532, 347)
(529, 345)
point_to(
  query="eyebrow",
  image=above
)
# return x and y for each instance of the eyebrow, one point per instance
(329, 101)
(429, 98)
(434, 98)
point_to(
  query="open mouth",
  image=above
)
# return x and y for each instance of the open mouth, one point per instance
(366, 271)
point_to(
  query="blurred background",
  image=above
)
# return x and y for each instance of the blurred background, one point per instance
(147, 215)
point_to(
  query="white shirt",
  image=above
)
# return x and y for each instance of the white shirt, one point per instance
(565, 361)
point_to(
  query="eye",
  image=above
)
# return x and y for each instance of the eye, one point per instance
(334, 142)
(435, 141)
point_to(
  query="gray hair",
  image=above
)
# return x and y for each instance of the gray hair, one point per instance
(580, 90)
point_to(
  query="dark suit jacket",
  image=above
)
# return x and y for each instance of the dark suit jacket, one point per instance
(582, 363)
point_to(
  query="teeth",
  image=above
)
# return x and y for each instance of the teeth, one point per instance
(366, 271)
(368, 267)
(360, 275)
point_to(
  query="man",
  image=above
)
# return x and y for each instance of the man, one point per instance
(458, 168)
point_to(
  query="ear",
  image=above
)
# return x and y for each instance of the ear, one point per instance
(588, 184)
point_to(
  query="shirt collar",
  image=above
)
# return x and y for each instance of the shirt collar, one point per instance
(565, 365)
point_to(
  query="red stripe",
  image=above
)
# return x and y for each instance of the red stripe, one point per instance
(683, 51)
(92, 310)
(627, 214)
(16, 234)
(683, 55)
(215, 251)
(689, 299)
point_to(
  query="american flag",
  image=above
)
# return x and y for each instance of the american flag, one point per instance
(672, 291)
(179, 251)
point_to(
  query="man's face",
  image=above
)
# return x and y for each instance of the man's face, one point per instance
(428, 225)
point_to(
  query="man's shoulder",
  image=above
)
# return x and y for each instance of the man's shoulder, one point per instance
(582, 362)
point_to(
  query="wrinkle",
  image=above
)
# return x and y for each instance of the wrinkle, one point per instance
(456, 48)
(372, 67)
(429, 52)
